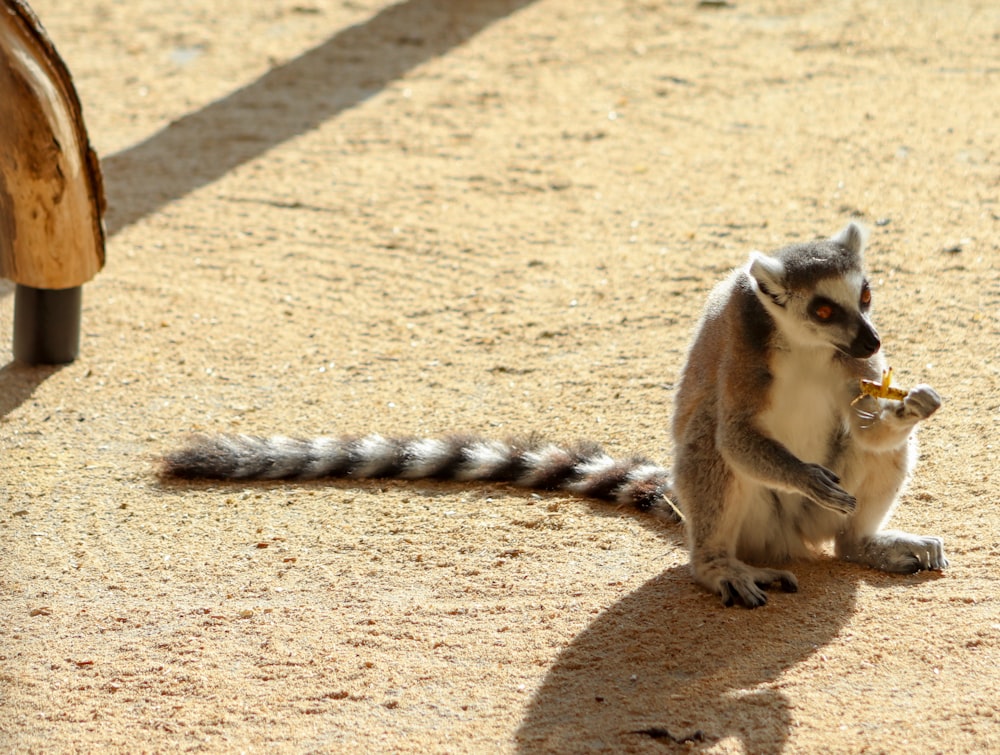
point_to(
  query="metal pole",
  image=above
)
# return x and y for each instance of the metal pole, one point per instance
(47, 324)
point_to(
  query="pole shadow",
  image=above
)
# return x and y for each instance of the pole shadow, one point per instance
(19, 381)
(298, 96)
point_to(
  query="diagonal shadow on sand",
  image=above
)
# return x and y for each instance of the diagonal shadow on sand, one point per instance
(349, 67)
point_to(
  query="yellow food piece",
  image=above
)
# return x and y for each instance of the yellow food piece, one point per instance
(880, 390)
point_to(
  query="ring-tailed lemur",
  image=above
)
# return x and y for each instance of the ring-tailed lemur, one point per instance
(773, 456)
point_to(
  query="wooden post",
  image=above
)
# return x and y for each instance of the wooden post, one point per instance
(51, 193)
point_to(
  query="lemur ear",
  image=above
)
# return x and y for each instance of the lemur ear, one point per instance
(769, 275)
(853, 238)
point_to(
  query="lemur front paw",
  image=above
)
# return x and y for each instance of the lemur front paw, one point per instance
(920, 403)
(823, 487)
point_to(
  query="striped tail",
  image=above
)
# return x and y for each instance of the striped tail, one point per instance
(584, 469)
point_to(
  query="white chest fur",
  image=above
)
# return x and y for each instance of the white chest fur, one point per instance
(803, 412)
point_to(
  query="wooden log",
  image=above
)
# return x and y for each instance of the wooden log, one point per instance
(51, 193)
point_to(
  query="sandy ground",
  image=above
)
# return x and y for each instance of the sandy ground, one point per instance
(496, 216)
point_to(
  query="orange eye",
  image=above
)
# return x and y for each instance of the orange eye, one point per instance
(866, 296)
(824, 311)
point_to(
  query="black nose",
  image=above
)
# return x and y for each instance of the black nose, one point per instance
(865, 343)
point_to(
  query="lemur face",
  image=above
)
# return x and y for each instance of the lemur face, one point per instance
(817, 293)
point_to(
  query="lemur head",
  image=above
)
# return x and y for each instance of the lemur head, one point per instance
(817, 293)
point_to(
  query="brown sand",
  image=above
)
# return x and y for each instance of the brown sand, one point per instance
(496, 216)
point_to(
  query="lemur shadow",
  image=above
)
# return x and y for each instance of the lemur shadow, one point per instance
(669, 667)
(346, 69)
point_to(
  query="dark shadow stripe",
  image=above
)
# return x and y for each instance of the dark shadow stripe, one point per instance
(351, 66)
